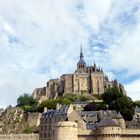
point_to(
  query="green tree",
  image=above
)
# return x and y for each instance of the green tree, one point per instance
(126, 107)
(71, 97)
(82, 98)
(111, 95)
(27, 103)
(91, 107)
(117, 101)
(66, 101)
(50, 104)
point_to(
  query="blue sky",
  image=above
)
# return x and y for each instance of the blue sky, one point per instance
(40, 39)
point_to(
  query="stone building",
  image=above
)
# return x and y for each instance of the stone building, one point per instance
(49, 118)
(69, 124)
(86, 80)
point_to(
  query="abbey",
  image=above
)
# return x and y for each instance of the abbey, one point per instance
(86, 80)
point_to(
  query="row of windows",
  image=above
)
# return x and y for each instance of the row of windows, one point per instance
(45, 135)
(48, 134)
(81, 66)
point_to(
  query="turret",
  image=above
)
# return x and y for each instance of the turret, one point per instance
(108, 129)
(95, 67)
(121, 120)
(66, 131)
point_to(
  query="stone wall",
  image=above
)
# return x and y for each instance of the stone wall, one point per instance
(75, 117)
(98, 83)
(68, 83)
(66, 131)
(33, 119)
(86, 135)
(81, 83)
(19, 137)
(109, 134)
(125, 134)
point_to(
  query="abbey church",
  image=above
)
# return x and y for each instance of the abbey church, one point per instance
(86, 80)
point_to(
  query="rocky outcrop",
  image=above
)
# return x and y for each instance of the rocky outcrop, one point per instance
(12, 120)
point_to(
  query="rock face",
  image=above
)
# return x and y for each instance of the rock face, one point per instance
(12, 121)
(87, 80)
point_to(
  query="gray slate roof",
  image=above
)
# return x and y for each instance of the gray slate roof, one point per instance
(81, 61)
(106, 122)
(119, 116)
(51, 113)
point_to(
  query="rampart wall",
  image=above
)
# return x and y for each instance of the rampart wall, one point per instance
(19, 137)
(125, 134)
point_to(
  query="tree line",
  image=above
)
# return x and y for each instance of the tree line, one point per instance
(112, 100)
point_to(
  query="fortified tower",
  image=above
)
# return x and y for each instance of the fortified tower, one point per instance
(66, 131)
(108, 129)
(121, 121)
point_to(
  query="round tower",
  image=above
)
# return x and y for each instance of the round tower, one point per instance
(66, 131)
(108, 129)
(121, 120)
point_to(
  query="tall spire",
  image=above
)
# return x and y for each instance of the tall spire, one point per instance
(81, 61)
(81, 52)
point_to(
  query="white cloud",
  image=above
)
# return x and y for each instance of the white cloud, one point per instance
(133, 89)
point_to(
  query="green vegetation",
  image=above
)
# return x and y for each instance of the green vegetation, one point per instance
(114, 100)
(111, 95)
(125, 106)
(28, 130)
(27, 103)
(66, 100)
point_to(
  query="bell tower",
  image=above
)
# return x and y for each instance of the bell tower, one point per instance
(81, 65)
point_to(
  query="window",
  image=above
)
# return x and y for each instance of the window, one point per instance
(45, 127)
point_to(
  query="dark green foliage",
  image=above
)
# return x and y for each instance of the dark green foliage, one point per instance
(116, 101)
(75, 97)
(91, 107)
(126, 107)
(102, 106)
(83, 98)
(27, 103)
(66, 100)
(94, 106)
(50, 104)
(28, 130)
(98, 96)
(111, 95)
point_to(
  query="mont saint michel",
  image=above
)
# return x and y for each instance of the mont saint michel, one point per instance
(69, 70)
(86, 80)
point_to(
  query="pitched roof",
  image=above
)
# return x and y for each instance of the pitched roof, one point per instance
(119, 116)
(107, 121)
(135, 123)
(51, 113)
(81, 62)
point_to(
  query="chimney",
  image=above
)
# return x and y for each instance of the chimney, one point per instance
(58, 106)
(45, 109)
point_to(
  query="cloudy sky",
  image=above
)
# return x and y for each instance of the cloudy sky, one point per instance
(40, 39)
